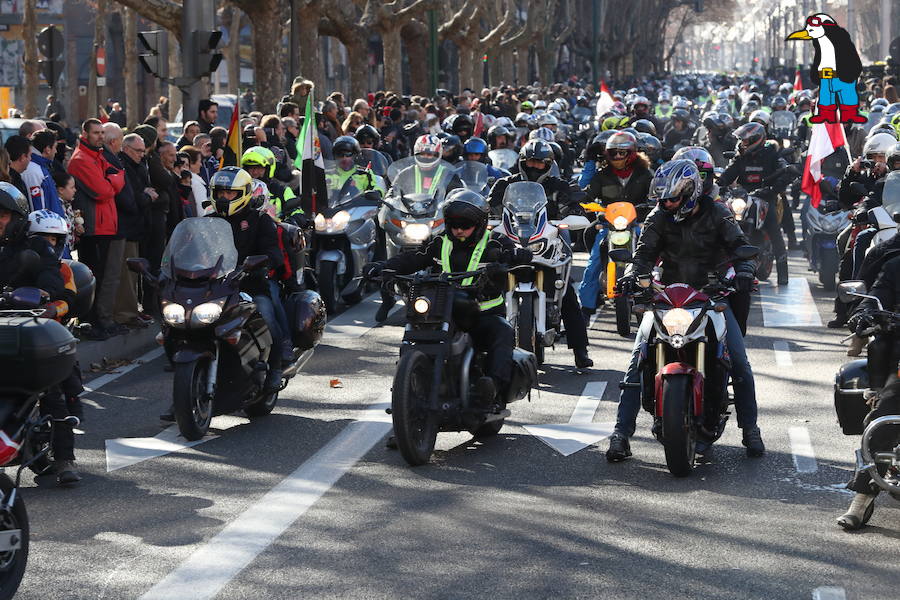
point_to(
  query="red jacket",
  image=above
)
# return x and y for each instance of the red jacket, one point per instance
(97, 182)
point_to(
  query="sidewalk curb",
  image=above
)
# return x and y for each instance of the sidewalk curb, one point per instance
(126, 346)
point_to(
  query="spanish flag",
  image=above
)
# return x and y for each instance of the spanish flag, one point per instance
(231, 157)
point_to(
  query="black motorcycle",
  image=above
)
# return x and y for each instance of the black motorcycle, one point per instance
(433, 387)
(213, 333)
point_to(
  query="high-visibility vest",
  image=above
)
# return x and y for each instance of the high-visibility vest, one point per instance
(474, 262)
(431, 188)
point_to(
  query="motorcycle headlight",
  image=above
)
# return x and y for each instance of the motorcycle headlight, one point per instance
(620, 223)
(173, 314)
(738, 206)
(421, 305)
(320, 222)
(538, 247)
(416, 232)
(338, 222)
(619, 238)
(677, 321)
(207, 313)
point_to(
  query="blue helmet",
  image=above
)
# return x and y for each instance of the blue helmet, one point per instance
(476, 145)
(677, 180)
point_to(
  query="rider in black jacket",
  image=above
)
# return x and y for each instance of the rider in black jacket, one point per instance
(692, 235)
(755, 161)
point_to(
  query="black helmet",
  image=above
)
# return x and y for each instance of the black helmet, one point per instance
(452, 147)
(535, 149)
(680, 114)
(13, 200)
(779, 103)
(714, 123)
(466, 208)
(649, 145)
(367, 133)
(596, 149)
(751, 137)
(345, 146)
(892, 157)
(644, 126)
(463, 126)
(497, 131)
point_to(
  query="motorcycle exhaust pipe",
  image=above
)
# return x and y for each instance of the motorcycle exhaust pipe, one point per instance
(298, 364)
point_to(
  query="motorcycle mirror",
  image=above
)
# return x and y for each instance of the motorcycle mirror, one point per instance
(849, 291)
(27, 297)
(746, 252)
(858, 188)
(622, 255)
(254, 262)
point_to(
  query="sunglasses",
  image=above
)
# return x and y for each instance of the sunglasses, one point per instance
(461, 225)
(619, 153)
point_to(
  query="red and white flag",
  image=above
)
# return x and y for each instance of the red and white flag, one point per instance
(605, 101)
(798, 81)
(826, 138)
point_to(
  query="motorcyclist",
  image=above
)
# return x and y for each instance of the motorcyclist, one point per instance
(754, 162)
(346, 152)
(476, 149)
(48, 240)
(535, 160)
(594, 157)
(467, 240)
(259, 162)
(652, 149)
(255, 233)
(663, 108)
(640, 109)
(691, 234)
(499, 137)
(715, 137)
(678, 131)
(625, 178)
(462, 127)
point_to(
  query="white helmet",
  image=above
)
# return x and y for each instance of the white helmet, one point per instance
(879, 143)
(542, 133)
(427, 151)
(547, 119)
(47, 222)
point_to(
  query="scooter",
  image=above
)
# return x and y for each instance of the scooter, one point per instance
(534, 297)
(212, 332)
(823, 224)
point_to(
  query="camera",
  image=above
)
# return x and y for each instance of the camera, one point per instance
(867, 164)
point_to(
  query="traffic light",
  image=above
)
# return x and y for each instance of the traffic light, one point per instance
(207, 59)
(51, 44)
(155, 59)
(698, 6)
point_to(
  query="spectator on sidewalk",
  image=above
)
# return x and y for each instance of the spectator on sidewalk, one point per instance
(133, 227)
(117, 115)
(203, 143)
(167, 158)
(43, 152)
(191, 130)
(97, 184)
(199, 189)
(54, 107)
(154, 240)
(126, 214)
(19, 150)
(207, 113)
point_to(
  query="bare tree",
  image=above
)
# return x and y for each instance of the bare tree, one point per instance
(232, 18)
(388, 18)
(93, 95)
(29, 32)
(132, 108)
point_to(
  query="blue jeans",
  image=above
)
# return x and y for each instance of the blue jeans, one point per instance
(834, 91)
(589, 289)
(741, 376)
(272, 311)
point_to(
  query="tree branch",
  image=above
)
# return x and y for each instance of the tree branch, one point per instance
(163, 12)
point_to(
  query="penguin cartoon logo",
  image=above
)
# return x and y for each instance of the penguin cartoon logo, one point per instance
(835, 68)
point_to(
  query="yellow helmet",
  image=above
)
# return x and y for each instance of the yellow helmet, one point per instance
(227, 180)
(259, 156)
(617, 122)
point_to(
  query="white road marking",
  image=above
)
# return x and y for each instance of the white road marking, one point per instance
(789, 306)
(782, 354)
(580, 432)
(801, 448)
(829, 593)
(355, 322)
(99, 382)
(215, 563)
(124, 452)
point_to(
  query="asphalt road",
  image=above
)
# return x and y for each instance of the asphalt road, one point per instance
(308, 503)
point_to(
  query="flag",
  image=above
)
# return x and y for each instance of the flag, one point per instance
(605, 102)
(798, 80)
(310, 161)
(825, 139)
(231, 156)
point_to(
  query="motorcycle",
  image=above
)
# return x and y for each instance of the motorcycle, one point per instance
(622, 230)
(684, 364)
(823, 224)
(882, 217)
(474, 177)
(750, 212)
(344, 239)
(534, 297)
(411, 212)
(213, 333)
(433, 388)
(783, 126)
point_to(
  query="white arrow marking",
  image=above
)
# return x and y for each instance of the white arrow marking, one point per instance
(789, 306)
(580, 432)
(801, 448)
(829, 593)
(124, 452)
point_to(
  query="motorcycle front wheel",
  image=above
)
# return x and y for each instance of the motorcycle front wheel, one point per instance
(623, 316)
(526, 331)
(828, 270)
(415, 427)
(328, 285)
(12, 563)
(193, 407)
(766, 260)
(679, 436)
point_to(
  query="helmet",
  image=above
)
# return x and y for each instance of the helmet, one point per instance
(427, 151)
(464, 207)
(547, 120)
(14, 201)
(497, 131)
(526, 105)
(345, 145)
(892, 109)
(892, 158)
(751, 137)
(748, 107)
(258, 156)
(47, 222)
(368, 134)
(618, 142)
(704, 161)
(761, 117)
(541, 133)
(596, 149)
(476, 145)
(664, 96)
(727, 119)
(879, 143)
(535, 150)
(503, 122)
(640, 101)
(463, 126)
(882, 102)
(779, 103)
(649, 145)
(677, 179)
(452, 147)
(895, 123)
(614, 123)
(644, 126)
(714, 123)
(882, 126)
(682, 103)
(226, 180)
(522, 119)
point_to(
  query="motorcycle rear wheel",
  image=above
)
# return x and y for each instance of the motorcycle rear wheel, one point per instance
(828, 271)
(678, 434)
(415, 427)
(12, 563)
(193, 408)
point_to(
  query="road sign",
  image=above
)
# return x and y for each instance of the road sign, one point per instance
(51, 43)
(101, 62)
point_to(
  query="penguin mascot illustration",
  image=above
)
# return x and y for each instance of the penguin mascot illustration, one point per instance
(835, 68)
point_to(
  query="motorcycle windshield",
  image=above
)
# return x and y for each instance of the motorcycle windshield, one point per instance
(370, 158)
(200, 248)
(409, 179)
(783, 121)
(523, 209)
(341, 184)
(503, 158)
(890, 197)
(415, 205)
(474, 176)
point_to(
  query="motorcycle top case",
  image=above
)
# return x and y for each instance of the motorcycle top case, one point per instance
(306, 316)
(35, 354)
(850, 384)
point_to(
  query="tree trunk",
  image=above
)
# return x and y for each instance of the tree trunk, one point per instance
(94, 93)
(415, 43)
(466, 57)
(132, 109)
(29, 31)
(266, 42)
(477, 76)
(358, 59)
(234, 51)
(175, 70)
(507, 66)
(522, 65)
(393, 59)
(310, 64)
